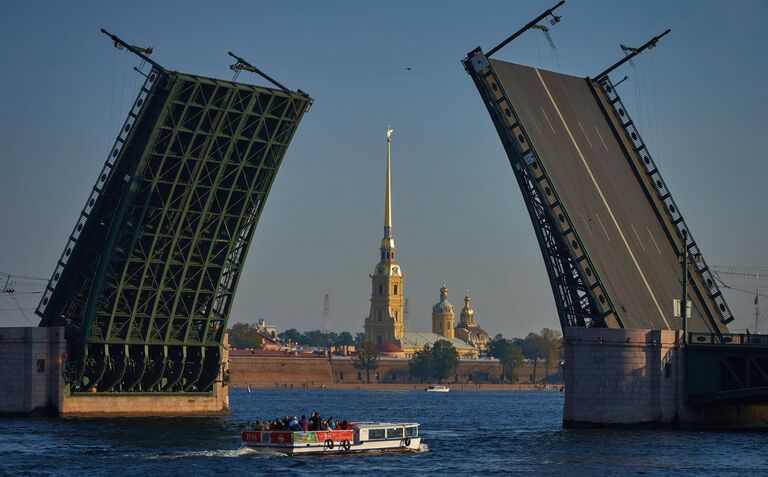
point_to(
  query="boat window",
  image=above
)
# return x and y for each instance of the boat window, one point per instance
(376, 434)
(394, 432)
(411, 431)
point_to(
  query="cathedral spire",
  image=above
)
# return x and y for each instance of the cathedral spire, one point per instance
(388, 193)
(385, 322)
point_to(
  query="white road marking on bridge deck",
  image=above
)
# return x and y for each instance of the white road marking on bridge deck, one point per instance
(535, 123)
(653, 239)
(601, 138)
(602, 197)
(603, 226)
(638, 237)
(550, 122)
(585, 135)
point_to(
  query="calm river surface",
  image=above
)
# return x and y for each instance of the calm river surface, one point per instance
(466, 433)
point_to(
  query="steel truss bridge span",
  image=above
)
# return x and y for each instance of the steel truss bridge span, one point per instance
(609, 231)
(146, 281)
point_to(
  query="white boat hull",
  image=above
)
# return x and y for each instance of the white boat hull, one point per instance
(438, 389)
(384, 446)
(331, 442)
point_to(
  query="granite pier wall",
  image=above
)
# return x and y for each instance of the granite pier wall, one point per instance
(635, 378)
(31, 360)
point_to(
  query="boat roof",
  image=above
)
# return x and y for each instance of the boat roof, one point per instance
(384, 424)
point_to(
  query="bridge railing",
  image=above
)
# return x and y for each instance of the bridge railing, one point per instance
(734, 339)
(673, 212)
(114, 153)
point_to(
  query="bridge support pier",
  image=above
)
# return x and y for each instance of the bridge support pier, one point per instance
(31, 360)
(635, 378)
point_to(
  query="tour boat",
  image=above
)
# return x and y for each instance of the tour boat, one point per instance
(363, 437)
(437, 389)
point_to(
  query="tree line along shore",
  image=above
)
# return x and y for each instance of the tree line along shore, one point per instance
(531, 362)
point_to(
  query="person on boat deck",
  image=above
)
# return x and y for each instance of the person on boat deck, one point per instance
(294, 424)
(286, 421)
(277, 425)
(345, 425)
(330, 424)
(304, 423)
(315, 422)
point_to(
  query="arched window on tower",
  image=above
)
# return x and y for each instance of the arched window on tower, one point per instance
(378, 315)
(381, 290)
(395, 288)
(396, 315)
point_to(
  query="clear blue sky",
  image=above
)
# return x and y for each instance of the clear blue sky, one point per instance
(699, 98)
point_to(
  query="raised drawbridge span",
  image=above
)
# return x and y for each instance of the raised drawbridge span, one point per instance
(146, 280)
(616, 247)
(609, 230)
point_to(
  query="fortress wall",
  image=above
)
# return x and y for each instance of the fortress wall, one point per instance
(314, 371)
(279, 370)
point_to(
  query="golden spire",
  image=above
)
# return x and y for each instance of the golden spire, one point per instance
(467, 313)
(388, 194)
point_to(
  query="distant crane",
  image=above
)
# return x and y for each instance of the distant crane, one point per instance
(327, 313)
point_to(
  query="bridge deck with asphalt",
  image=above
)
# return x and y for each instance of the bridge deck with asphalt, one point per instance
(595, 172)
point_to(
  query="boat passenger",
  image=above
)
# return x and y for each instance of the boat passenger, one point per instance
(304, 423)
(294, 424)
(330, 424)
(286, 421)
(277, 425)
(345, 425)
(315, 422)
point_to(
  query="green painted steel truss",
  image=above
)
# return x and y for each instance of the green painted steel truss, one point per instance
(146, 282)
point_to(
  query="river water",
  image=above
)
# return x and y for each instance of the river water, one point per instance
(472, 432)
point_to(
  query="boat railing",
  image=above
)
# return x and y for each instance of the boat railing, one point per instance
(298, 437)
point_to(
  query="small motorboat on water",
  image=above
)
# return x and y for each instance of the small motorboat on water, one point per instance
(438, 389)
(363, 437)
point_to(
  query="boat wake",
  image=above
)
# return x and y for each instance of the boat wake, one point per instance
(423, 448)
(223, 453)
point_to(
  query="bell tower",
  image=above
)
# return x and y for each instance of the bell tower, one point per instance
(385, 322)
(443, 317)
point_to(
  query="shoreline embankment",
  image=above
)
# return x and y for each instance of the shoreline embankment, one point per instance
(402, 387)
